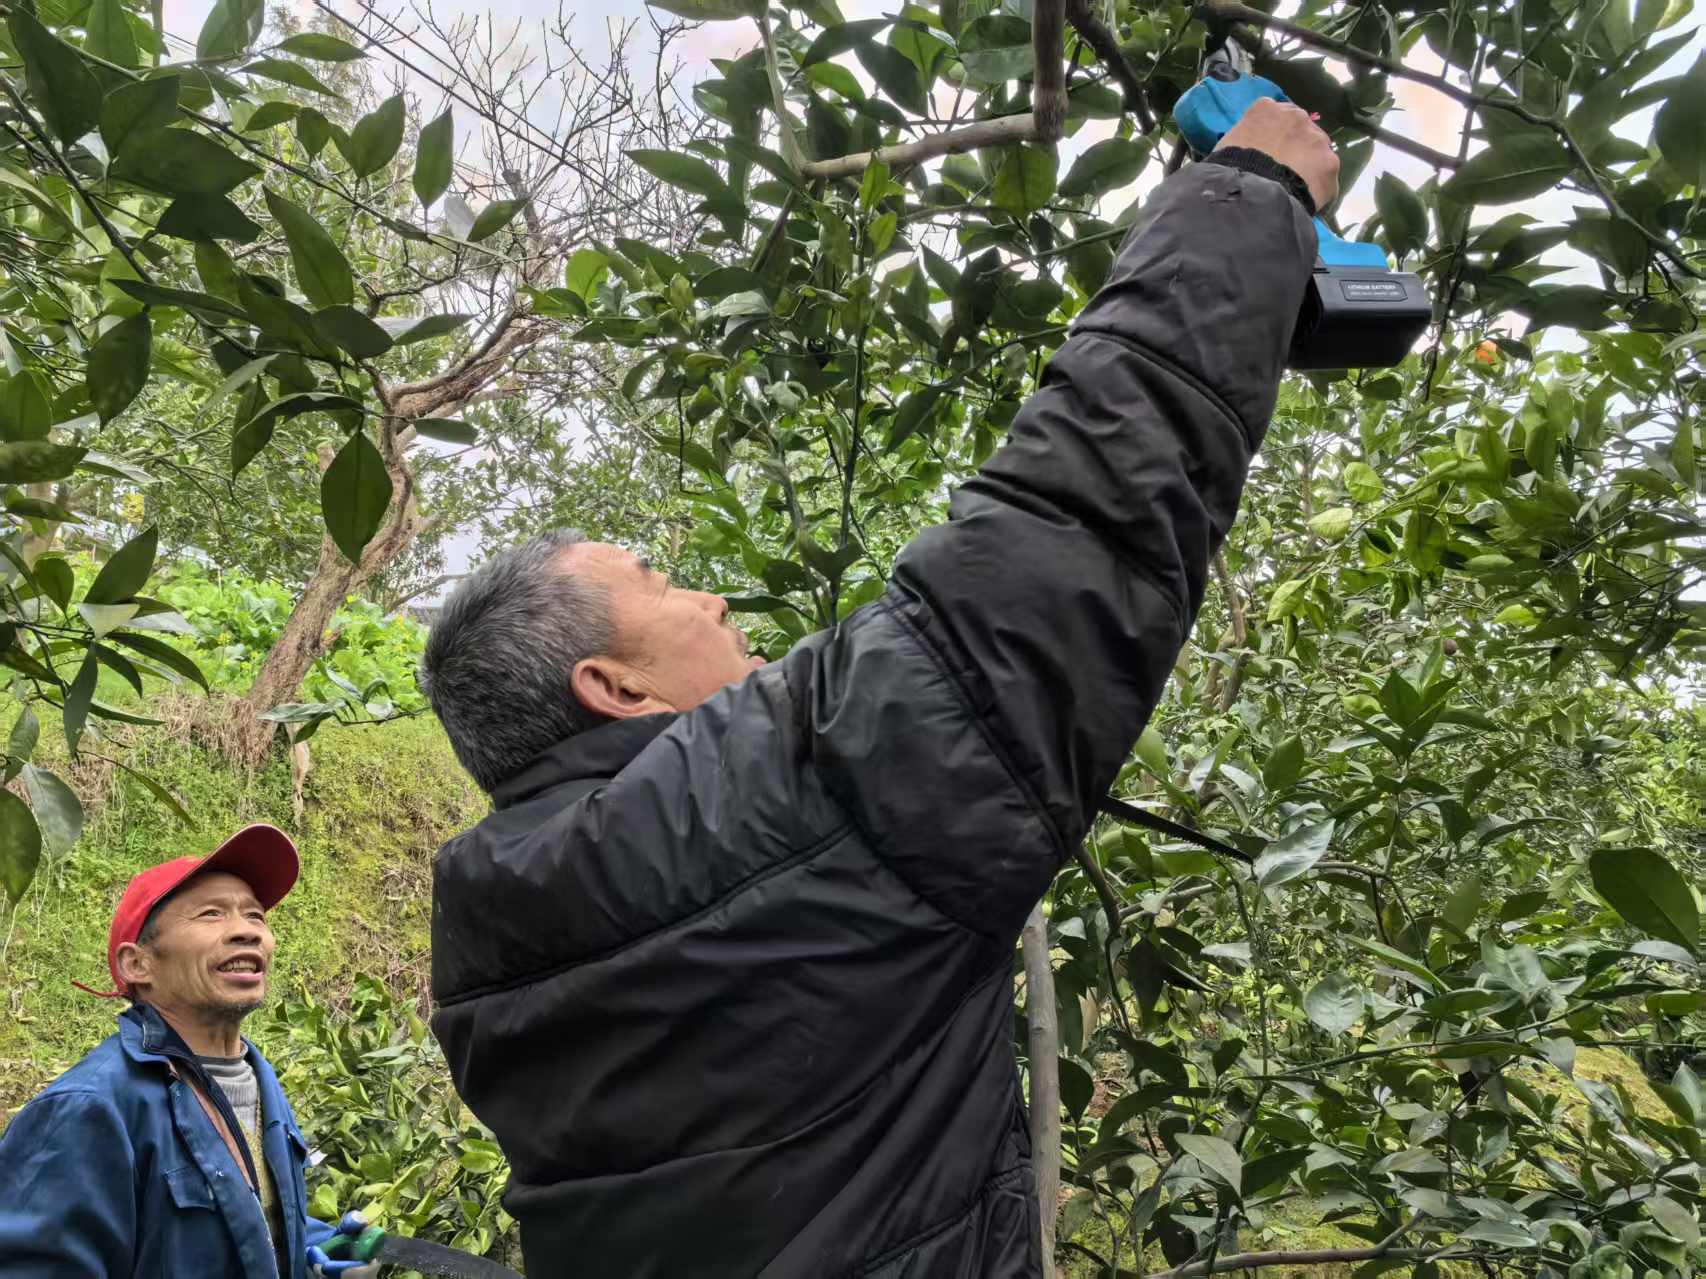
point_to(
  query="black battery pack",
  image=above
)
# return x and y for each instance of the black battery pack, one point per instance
(1358, 317)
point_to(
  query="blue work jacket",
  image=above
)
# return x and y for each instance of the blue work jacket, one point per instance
(115, 1171)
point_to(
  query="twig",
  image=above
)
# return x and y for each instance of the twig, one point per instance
(1043, 1041)
(1001, 131)
(1099, 37)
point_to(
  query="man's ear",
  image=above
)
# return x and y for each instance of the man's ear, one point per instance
(135, 965)
(611, 688)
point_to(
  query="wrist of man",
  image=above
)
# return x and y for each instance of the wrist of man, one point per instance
(1264, 165)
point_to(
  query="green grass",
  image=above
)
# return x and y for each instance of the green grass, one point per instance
(378, 802)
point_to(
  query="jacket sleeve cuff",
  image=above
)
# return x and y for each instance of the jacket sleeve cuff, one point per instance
(1265, 166)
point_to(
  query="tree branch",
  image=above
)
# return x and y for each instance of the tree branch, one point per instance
(1228, 11)
(985, 133)
(1107, 46)
(1043, 1044)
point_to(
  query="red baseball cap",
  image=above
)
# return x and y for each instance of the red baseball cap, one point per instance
(261, 856)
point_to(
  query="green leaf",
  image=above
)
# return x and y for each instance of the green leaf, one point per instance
(587, 269)
(1402, 213)
(157, 650)
(1464, 904)
(679, 169)
(204, 304)
(1397, 959)
(230, 29)
(26, 731)
(109, 34)
(25, 413)
(1024, 180)
(1215, 1154)
(1513, 168)
(914, 411)
(118, 365)
(1106, 166)
(710, 10)
(313, 130)
(435, 158)
(180, 162)
(353, 331)
(1362, 483)
(1287, 858)
(294, 74)
(208, 217)
(249, 439)
(1648, 892)
(126, 570)
(31, 461)
(1682, 453)
(1284, 764)
(146, 104)
(1334, 1003)
(321, 268)
(741, 305)
(61, 85)
(419, 328)
(448, 429)
(58, 811)
(375, 139)
(1676, 129)
(995, 48)
(1332, 524)
(1152, 752)
(493, 218)
(55, 580)
(20, 845)
(78, 698)
(354, 494)
(270, 115)
(895, 73)
(320, 47)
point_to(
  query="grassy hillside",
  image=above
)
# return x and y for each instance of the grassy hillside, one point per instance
(378, 802)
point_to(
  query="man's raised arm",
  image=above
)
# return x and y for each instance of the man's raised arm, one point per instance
(971, 719)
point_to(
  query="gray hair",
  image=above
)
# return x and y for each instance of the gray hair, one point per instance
(497, 662)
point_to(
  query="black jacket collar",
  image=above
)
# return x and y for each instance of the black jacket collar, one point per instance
(599, 752)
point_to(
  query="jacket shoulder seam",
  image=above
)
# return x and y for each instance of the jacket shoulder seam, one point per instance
(806, 854)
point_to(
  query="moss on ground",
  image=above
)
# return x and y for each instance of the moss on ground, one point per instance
(378, 802)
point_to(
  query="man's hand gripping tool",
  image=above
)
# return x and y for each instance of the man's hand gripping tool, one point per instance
(1358, 313)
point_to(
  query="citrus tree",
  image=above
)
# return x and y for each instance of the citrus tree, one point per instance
(1432, 840)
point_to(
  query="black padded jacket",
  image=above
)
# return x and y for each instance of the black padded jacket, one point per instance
(733, 988)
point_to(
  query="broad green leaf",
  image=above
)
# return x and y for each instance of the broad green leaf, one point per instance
(1284, 764)
(294, 74)
(313, 130)
(353, 331)
(126, 570)
(147, 104)
(109, 35)
(320, 47)
(230, 29)
(25, 413)
(163, 653)
(31, 461)
(1334, 1003)
(1676, 129)
(1682, 453)
(58, 812)
(270, 115)
(79, 697)
(1648, 892)
(435, 158)
(354, 494)
(1024, 180)
(895, 74)
(322, 271)
(1287, 598)
(1464, 904)
(679, 169)
(26, 731)
(493, 218)
(1362, 482)
(1512, 169)
(375, 139)
(56, 580)
(1291, 856)
(914, 411)
(1215, 1154)
(118, 365)
(180, 162)
(587, 268)
(1397, 959)
(1332, 524)
(995, 48)
(1107, 165)
(418, 328)
(1152, 753)
(208, 217)
(20, 845)
(450, 430)
(1402, 213)
(710, 10)
(61, 85)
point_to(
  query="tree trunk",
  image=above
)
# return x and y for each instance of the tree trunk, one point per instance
(1043, 1040)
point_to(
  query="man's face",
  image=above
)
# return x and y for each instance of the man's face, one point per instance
(676, 645)
(210, 952)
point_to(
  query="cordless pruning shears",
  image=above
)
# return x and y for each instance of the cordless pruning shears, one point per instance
(1358, 313)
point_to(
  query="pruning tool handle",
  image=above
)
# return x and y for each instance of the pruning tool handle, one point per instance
(355, 1239)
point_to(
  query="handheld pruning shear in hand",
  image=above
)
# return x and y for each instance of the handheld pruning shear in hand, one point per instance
(1359, 313)
(355, 1244)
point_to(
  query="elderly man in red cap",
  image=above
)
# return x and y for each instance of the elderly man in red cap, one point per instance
(170, 1149)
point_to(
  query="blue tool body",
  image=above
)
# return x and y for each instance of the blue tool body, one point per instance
(1359, 313)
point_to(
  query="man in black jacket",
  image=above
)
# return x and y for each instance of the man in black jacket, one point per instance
(728, 967)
